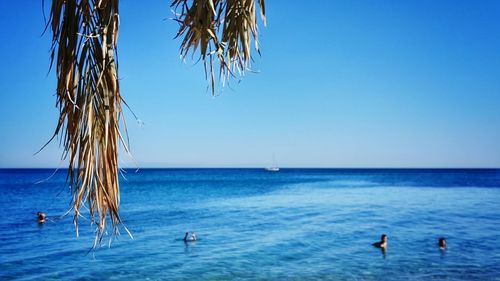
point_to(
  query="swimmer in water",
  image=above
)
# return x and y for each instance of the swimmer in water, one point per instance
(189, 239)
(41, 217)
(442, 243)
(382, 243)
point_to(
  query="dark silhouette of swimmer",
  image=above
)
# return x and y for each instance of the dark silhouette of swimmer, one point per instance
(442, 243)
(186, 237)
(41, 217)
(382, 243)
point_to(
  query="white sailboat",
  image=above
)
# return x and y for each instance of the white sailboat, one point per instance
(273, 168)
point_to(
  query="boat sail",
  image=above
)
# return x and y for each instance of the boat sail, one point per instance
(273, 168)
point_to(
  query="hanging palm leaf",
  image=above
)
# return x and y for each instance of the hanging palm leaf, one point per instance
(84, 38)
(221, 30)
(89, 102)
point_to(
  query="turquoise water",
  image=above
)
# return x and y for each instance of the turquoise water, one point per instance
(295, 224)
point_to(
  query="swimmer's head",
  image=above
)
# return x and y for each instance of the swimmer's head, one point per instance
(383, 238)
(41, 217)
(442, 242)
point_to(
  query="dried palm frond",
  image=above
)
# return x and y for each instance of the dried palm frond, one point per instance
(84, 36)
(220, 29)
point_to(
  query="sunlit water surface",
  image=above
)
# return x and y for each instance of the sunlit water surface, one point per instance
(294, 224)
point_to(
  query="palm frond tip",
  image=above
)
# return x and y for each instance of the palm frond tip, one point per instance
(222, 30)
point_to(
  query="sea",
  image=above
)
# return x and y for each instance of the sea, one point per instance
(251, 224)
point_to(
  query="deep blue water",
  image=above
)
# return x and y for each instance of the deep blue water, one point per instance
(299, 224)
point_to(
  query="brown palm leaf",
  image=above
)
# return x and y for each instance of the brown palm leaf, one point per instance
(88, 97)
(220, 29)
(84, 37)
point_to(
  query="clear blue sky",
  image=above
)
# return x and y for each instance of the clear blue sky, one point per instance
(341, 84)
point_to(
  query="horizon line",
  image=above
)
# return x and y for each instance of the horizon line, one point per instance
(281, 168)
